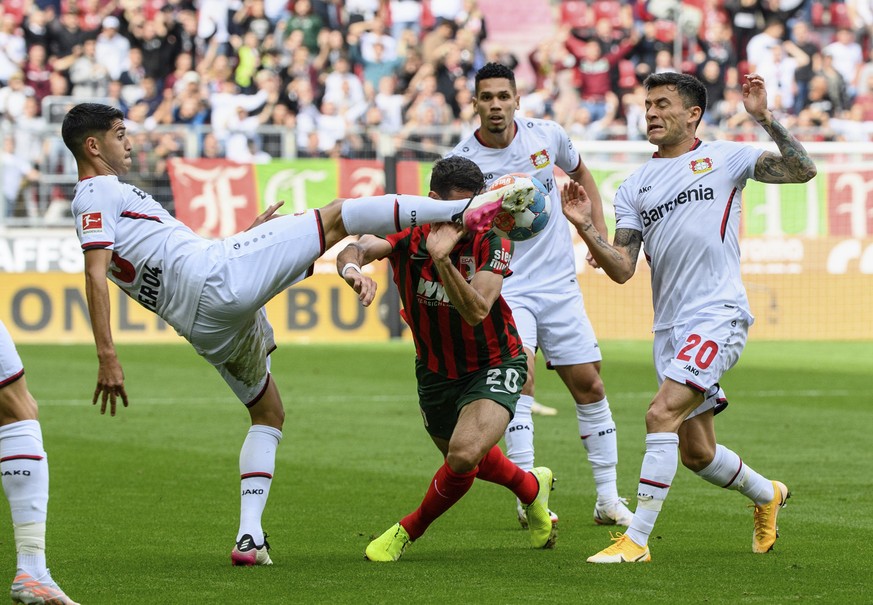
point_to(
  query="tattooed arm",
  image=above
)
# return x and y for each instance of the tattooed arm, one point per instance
(618, 260)
(792, 164)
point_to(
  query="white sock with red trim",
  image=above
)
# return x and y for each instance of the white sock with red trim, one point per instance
(727, 470)
(24, 466)
(386, 214)
(656, 475)
(597, 431)
(257, 461)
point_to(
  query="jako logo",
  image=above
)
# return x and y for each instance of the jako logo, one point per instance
(252, 492)
(690, 195)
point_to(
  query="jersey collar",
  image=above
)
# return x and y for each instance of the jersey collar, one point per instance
(697, 143)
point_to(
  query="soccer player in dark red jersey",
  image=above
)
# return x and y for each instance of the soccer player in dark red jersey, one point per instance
(470, 364)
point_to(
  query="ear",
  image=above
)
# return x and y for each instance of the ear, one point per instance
(434, 195)
(92, 146)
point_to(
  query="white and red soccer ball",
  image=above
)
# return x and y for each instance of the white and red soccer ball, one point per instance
(521, 226)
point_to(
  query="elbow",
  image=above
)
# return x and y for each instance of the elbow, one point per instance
(620, 276)
(810, 174)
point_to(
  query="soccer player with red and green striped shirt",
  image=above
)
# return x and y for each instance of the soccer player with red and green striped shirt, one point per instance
(470, 364)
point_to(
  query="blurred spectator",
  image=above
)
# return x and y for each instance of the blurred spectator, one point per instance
(446, 10)
(12, 49)
(649, 45)
(777, 68)
(88, 76)
(837, 88)
(718, 46)
(847, 57)
(252, 18)
(304, 20)
(362, 10)
(65, 35)
(153, 39)
(405, 15)
(801, 44)
(18, 173)
(35, 30)
(710, 74)
(367, 34)
(594, 72)
(758, 48)
(13, 97)
(211, 148)
(747, 20)
(28, 132)
(37, 72)
(131, 79)
(248, 61)
(331, 48)
(113, 49)
(379, 67)
(390, 104)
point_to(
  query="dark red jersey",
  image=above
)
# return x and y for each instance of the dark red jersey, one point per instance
(444, 342)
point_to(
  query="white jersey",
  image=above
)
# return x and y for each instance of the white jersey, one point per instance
(546, 262)
(157, 260)
(688, 210)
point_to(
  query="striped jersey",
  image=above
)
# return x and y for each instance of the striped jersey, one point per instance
(545, 263)
(688, 210)
(156, 259)
(444, 342)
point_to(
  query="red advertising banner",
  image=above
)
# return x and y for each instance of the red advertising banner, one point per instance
(216, 198)
(850, 202)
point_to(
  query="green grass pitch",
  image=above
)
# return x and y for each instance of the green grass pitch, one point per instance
(144, 506)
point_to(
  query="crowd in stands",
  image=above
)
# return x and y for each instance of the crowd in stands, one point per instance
(339, 72)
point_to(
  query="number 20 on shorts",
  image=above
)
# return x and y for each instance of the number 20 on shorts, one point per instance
(705, 352)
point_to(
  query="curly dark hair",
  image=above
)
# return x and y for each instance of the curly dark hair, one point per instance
(86, 120)
(495, 70)
(456, 173)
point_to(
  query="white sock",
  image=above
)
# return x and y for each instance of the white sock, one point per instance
(519, 435)
(386, 214)
(597, 431)
(656, 475)
(24, 466)
(728, 471)
(257, 461)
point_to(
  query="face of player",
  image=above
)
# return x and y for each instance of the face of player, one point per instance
(668, 122)
(115, 149)
(496, 102)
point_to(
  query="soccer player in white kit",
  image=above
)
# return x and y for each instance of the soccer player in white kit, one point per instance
(684, 204)
(544, 292)
(24, 470)
(213, 292)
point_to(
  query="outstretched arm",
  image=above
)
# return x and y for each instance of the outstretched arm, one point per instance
(354, 256)
(618, 260)
(110, 376)
(792, 164)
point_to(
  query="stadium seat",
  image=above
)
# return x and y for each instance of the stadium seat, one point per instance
(627, 75)
(577, 14)
(840, 15)
(608, 9)
(665, 31)
(817, 11)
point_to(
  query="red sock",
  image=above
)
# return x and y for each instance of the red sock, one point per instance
(446, 488)
(497, 468)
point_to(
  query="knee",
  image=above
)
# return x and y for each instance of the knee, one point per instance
(273, 416)
(696, 456)
(593, 389)
(658, 418)
(463, 459)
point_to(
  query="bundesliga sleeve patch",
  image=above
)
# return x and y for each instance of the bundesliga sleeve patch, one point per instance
(92, 222)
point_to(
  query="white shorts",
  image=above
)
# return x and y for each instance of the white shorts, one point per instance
(557, 324)
(700, 352)
(230, 328)
(11, 368)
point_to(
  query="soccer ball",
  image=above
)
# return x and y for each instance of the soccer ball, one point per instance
(528, 223)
